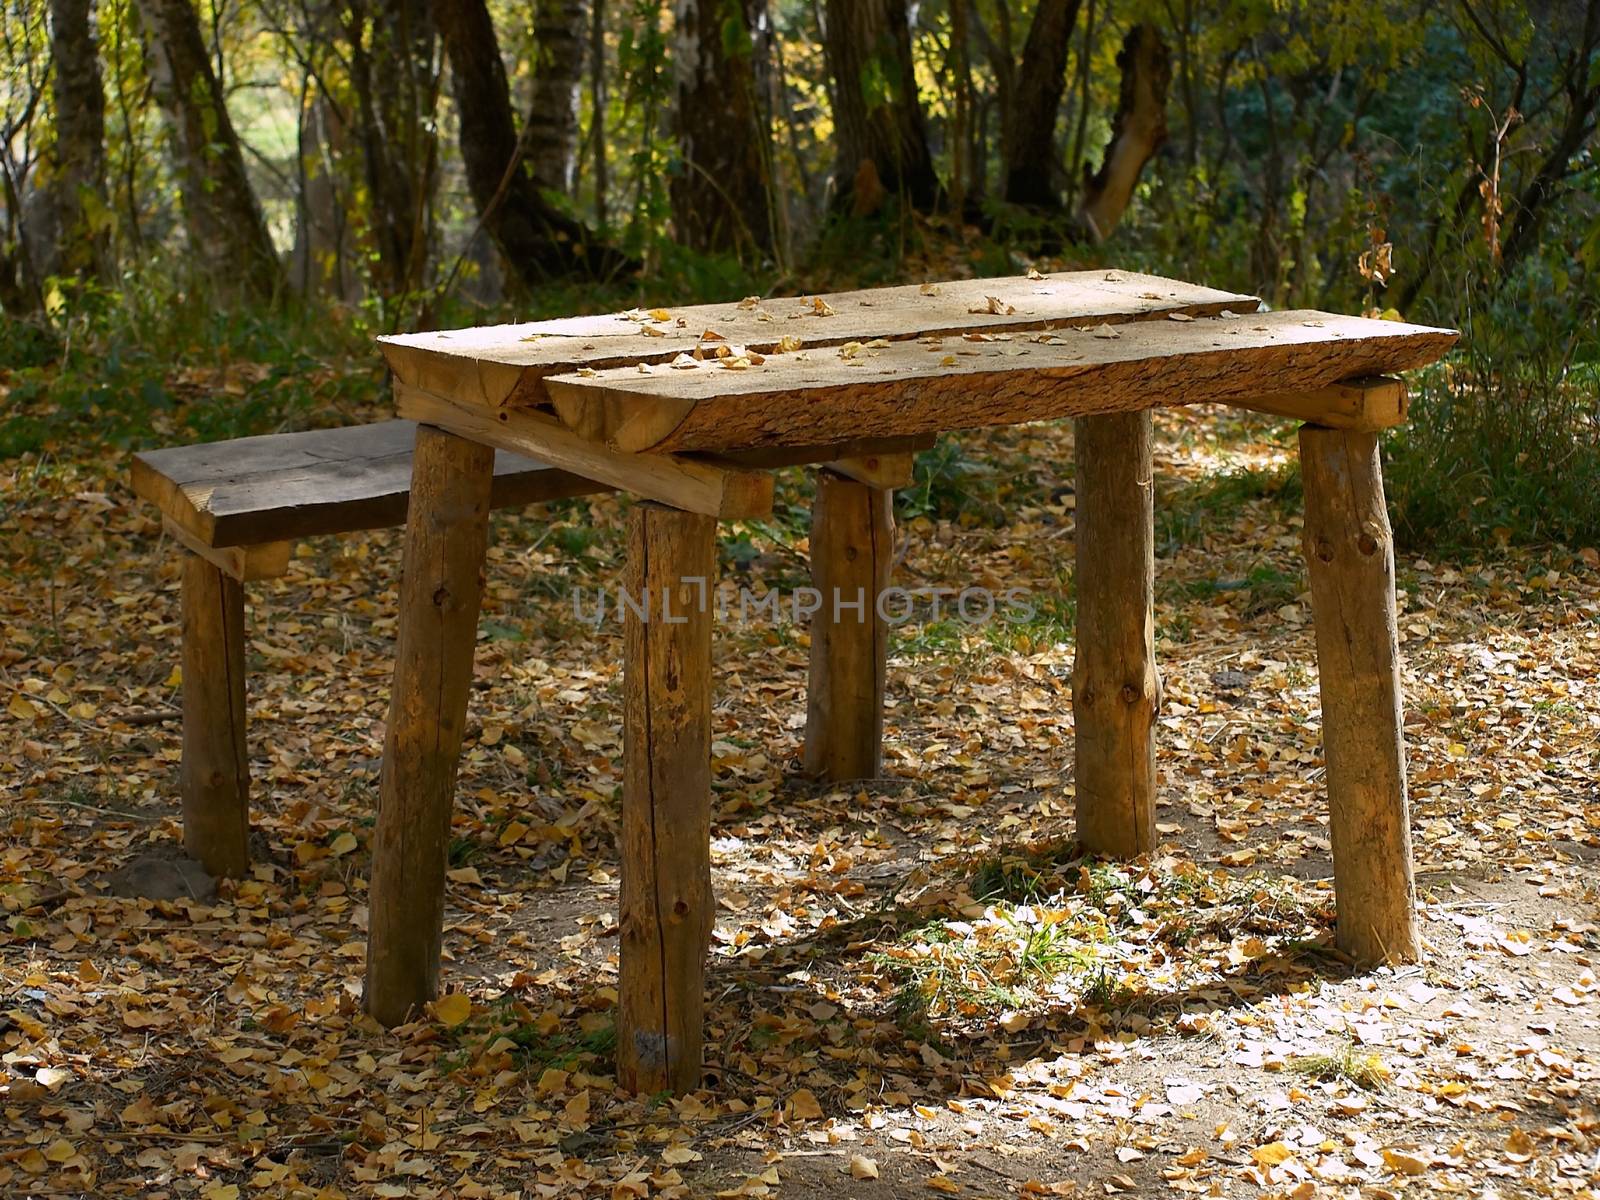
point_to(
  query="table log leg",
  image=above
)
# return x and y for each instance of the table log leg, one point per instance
(852, 550)
(215, 776)
(1115, 691)
(1350, 561)
(666, 905)
(441, 586)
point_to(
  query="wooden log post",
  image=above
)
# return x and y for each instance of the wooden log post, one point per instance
(215, 775)
(1350, 560)
(852, 551)
(666, 904)
(441, 587)
(1115, 690)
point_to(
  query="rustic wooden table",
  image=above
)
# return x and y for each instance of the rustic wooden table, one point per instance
(691, 409)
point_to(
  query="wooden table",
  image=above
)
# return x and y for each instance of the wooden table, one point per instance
(854, 384)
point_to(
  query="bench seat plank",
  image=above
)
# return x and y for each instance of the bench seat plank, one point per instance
(933, 385)
(282, 486)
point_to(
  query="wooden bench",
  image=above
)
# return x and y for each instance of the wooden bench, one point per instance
(236, 508)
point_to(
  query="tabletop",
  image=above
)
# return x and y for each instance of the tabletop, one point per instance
(898, 362)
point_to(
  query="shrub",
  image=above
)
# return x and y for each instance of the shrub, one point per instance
(1504, 437)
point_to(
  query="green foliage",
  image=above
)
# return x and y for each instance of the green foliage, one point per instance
(142, 364)
(950, 483)
(1186, 513)
(1504, 439)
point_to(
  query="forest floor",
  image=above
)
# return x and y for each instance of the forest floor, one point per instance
(914, 988)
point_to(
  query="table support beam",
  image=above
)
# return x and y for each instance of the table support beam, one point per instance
(852, 553)
(215, 775)
(666, 910)
(1350, 560)
(1115, 690)
(441, 587)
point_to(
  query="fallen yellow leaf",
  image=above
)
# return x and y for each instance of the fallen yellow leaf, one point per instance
(862, 1167)
(803, 1106)
(1402, 1162)
(453, 1009)
(1272, 1154)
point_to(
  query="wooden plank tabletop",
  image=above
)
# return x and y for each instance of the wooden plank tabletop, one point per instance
(890, 389)
(506, 364)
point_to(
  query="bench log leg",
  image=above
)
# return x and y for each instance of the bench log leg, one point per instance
(1350, 562)
(1115, 690)
(215, 776)
(666, 905)
(441, 587)
(852, 551)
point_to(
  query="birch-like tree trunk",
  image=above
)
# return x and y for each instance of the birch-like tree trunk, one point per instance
(536, 240)
(559, 29)
(394, 73)
(83, 216)
(228, 236)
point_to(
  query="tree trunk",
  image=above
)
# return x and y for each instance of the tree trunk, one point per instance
(881, 132)
(395, 77)
(558, 35)
(720, 197)
(536, 240)
(82, 212)
(1137, 132)
(1582, 87)
(961, 110)
(597, 108)
(1027, 134)
(228, 236)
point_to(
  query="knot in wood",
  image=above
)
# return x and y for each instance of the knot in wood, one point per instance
(441, 595)
(1367, 544)
(1130, 694)
(1323, 550)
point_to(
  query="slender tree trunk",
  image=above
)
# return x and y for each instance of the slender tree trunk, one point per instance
(395, 77)
(559, 36)
(768, 66)
(881, 132)
(1075, 172)
(82, 211)
(1028, 128)
(1138, 130)
(720, 198)
(537, 241)
(597, 107)
(961, 115)
(228, 236)
(1582, 87)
